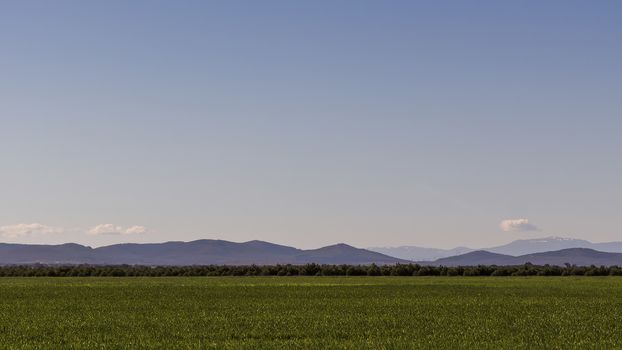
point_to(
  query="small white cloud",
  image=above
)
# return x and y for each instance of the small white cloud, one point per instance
(517, 225)
(21, 230)
(135, 230)
(110, 229)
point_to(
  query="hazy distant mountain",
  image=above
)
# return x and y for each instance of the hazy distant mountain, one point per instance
(201, 252)
(575, 256)
(538, 245)
(515, 248)
(419, 253)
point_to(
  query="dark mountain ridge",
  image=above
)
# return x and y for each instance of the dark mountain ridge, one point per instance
(200, 252)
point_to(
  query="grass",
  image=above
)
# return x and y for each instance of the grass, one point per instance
(311, 313)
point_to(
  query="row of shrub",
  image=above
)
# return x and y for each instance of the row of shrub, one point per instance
(305, 270)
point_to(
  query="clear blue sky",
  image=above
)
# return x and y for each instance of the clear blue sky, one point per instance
(310, 123)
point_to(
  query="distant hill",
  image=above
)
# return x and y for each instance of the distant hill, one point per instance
(345, 254)
(515, 248)
(201, 252)
(52, 254)
(573, 256)
(419, 253)
(478, 257)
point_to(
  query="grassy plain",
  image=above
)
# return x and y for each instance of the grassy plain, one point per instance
(311, 313)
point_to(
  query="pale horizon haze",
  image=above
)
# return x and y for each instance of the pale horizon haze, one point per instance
(437, 124)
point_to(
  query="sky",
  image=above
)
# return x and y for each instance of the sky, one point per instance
(429, 123)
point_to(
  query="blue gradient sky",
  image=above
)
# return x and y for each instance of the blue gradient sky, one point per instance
(311, 123)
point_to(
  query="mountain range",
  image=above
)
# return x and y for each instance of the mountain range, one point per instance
(515, 248)
(551, 250)
(200, 252)
(573, 256)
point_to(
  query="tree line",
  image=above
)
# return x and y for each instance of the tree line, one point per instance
(304, 270)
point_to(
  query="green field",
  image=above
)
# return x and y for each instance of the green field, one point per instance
(312, 313)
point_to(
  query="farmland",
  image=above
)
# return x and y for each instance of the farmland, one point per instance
(311, 312)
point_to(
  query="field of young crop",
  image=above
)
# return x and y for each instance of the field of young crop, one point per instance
(312, 313)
